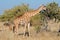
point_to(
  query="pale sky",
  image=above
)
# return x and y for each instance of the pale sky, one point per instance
(7, 4)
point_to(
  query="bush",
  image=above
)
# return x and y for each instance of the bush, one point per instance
(37, 29)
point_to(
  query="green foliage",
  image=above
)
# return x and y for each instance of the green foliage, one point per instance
(53, 10)
(37, 29)
(11, 14)
(36, 20)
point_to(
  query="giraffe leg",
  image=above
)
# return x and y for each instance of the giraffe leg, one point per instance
(15, 28)
(27, 30)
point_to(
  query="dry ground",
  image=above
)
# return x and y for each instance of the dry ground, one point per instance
(6, 34)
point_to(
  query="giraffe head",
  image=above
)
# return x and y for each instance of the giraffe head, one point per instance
(43, 7)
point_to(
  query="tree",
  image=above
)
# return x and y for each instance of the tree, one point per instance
(11, 14)
(53, 11)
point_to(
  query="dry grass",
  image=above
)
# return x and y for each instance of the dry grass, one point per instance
(6, 34)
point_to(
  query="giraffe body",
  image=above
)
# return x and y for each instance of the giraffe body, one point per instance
(25, 19)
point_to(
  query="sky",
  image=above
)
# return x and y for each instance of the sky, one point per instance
(7, 4)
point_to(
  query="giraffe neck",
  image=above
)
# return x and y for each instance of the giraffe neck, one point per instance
(33, 13)
(39, 9)
(29, 14)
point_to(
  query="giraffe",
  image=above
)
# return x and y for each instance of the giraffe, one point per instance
(25, 19)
